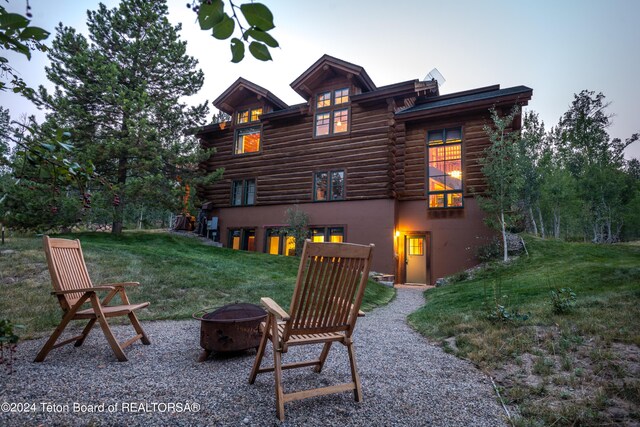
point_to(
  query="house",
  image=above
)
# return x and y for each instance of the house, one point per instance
(394, 165)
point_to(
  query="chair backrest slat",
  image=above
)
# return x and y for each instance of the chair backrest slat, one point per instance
(329, 288)
(67, 268)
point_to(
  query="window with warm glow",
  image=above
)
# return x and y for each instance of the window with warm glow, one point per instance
(278, 243)
(324, 100)
(243, 192)
(255, 114)
(445, 168)
(242, 239)
(340, 120)
(327, 234)
(336, 235)
(247, 140)
(322, 124)
(341, 96)
(330, 119)
(243, 117)
(416, 246)
(328, 186)
(317, 235)
(246, 116)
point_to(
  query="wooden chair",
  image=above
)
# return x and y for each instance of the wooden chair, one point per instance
(325, 305)
(73, 287)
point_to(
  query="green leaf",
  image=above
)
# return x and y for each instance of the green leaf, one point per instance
(237, 50)
(210, 14)
(261, 36)
(258, 15)
(260, 51)
(13, 20)
(34, 33)
(223, 29)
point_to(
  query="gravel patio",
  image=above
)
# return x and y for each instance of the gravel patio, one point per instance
(406, 382)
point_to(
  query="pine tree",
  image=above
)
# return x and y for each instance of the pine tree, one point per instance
(120, 92)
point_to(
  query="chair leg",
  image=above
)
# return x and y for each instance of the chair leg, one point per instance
(277, 365)
(323, 356)
(259, 355)
(115, 346)
(138, 327)
(357, 392)
(48, 346)
(85, 333)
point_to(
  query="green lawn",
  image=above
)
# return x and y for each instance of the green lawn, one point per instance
(179, 275)
(579, 368)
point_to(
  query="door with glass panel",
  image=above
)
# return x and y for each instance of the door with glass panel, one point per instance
(416, 256)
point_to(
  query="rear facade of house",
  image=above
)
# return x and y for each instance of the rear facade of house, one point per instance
(395, 165)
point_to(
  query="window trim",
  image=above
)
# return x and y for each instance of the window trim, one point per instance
(329, 173)
(445, 193)
(245, 191)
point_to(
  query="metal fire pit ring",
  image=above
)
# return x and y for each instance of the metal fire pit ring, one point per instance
(231, 328)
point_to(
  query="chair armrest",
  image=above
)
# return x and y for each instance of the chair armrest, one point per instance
(120, 285)
(273, 308)
(83, 290)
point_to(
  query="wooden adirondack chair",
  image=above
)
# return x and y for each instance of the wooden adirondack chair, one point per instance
(325, 305)
(73, 287)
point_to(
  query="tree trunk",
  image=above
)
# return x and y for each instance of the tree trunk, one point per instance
(556, 224)
(533, 221)
(505, 247)
(119, 207)
(542, 233)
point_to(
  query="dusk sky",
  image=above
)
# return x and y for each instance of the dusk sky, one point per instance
(558, 48)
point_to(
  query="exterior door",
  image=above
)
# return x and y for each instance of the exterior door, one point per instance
(416, 258)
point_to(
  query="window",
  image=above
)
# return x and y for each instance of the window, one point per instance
(445, 168)
(324, 100)
(243, 192)
(279, 243)
(328, 186)
(327, 234)
(242, 239)
(333, 120)
(416, 246)
(340, 118)
(255, 114)
(322, 124)
(247, 140)
(244, 116)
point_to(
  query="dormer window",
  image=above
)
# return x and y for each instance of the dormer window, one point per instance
(331, 115)
(243, 116)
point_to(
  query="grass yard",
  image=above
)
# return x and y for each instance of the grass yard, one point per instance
(178, 275)
(577, 368)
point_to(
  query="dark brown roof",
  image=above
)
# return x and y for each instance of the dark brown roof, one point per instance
(232, 96)
(303, 84)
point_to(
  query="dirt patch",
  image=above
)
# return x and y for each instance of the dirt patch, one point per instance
(573, 379)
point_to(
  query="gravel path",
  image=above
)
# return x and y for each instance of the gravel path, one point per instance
(406, 382)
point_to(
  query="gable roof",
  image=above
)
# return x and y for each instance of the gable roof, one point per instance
(329, 65)
(234, 95)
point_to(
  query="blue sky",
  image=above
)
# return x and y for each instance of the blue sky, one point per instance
(558, 48)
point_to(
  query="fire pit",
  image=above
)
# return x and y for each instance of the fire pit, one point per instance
(231, 328)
